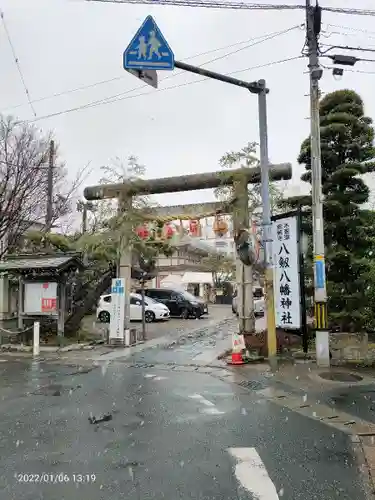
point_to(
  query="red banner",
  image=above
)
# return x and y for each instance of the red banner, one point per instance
(49, 305)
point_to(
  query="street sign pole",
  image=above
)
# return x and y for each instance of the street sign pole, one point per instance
(149, 50)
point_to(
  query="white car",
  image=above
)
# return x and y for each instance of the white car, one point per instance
(154, 311)
(259, 306)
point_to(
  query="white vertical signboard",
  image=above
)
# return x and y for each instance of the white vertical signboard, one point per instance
(286, 273)
(117, 321)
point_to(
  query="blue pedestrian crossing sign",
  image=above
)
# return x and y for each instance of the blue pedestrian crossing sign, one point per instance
(149, 49)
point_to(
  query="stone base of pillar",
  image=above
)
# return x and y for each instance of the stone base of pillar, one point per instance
(4, 298)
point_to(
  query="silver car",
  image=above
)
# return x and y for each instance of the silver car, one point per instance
(259, 302)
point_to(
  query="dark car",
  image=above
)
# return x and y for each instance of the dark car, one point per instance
(179, 303)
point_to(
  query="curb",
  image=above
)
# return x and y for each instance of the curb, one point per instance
(14, 348)
(364, 448)
(224, 354)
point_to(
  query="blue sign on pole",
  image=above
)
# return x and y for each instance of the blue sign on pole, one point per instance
(320, 273)
(118, 287)
(149, 49)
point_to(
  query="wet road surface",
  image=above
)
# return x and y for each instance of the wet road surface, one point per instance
(175, 433)
(159, 329)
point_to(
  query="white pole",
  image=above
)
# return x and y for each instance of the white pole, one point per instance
(36, 348)
(127, 337)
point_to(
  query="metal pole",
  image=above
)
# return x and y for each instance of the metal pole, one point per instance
(84, 218)
(143, 310)
(254, 87)
(49, 212)
(267, 233)
(320, 292)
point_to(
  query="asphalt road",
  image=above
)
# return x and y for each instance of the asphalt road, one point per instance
(175, 433)
(161, 328)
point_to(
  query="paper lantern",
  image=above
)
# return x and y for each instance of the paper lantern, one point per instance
(168, 231)
(143, 232)
(194, 228)
(220, 226)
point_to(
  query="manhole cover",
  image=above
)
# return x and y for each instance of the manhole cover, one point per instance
(341, 377)
(254, 385)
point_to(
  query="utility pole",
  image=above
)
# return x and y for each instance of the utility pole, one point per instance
(267, 233)
(84, 207)
(49, 212)
(84, 218)
(313, 25)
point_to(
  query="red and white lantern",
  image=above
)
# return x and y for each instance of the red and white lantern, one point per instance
(194, 227)
(143, 232)
(168, 231)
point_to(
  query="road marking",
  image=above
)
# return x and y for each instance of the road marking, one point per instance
(195, 396)
(252, 474)
(211, 410)
(203, 400)
(154, 377)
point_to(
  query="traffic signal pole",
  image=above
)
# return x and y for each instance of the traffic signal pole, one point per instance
(267, 228)
(246, 305)
(214, 179)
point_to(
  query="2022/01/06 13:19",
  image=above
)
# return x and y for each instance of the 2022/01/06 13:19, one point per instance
(59, 478)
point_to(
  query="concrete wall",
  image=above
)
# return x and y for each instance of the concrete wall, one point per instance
(349, 346)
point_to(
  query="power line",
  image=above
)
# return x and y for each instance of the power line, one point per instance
(173, 75)
(344, 47)
(17, 62)
(327, 35)
(226, 4)
(220, 4)
(121, 97)
(351, 29)
(255, 41)
(351, 70)
(117, 78)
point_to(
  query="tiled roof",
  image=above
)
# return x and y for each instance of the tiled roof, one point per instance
(43, 262)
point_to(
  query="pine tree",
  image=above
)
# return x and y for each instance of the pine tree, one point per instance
(347, 152)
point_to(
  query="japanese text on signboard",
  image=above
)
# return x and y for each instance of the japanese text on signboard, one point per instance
(286, 284)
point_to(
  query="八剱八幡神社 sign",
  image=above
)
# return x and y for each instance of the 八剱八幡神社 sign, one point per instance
(287, 289)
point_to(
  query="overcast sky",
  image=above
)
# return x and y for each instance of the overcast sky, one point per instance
(65, 44)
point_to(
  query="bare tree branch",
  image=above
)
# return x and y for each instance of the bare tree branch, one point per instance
(23, 181)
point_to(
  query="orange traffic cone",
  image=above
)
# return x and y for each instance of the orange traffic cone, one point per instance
(236, 359)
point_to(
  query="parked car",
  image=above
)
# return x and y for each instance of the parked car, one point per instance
(259, 302)
(180, 303)
(154, 310)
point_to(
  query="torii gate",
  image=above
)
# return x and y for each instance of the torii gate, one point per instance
(239, 178)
